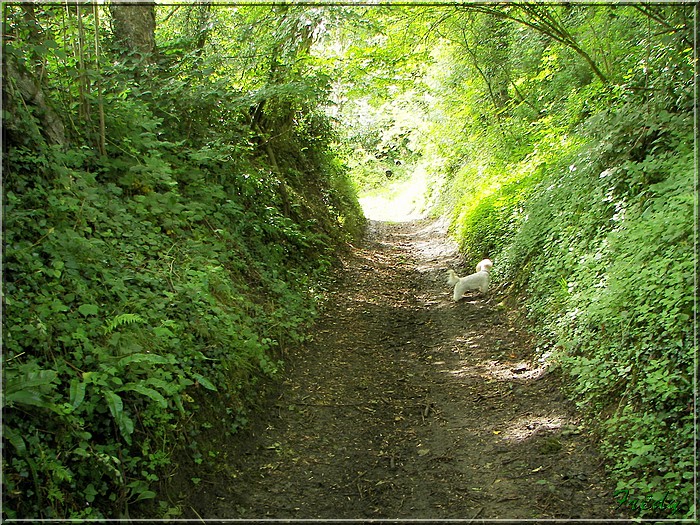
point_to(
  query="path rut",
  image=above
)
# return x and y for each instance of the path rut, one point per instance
(408, 405)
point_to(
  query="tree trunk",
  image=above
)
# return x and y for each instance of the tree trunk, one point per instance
(134, 26)
(101, 143)
(21, 87)
(500, 72)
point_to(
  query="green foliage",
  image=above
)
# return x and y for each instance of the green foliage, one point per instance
(162, 279)
(602, 247)
(139, 300)
(631, 338)
(379, 97)
(158, 261)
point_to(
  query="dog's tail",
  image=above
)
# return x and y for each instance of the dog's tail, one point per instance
(452, 278)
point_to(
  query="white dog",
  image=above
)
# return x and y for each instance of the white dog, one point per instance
(476, 281)
(486, 264)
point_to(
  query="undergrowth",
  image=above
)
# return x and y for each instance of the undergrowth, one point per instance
(146, 286)
(598, 239)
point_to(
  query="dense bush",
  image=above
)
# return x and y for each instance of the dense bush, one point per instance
(609, 251)
(152, 282)
(122, 302)
(606, 266)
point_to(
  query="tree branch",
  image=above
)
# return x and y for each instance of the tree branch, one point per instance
(658, 18)
(542, 22)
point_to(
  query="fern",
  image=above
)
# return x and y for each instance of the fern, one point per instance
(121, 320)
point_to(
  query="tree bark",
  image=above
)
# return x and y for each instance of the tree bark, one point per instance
(134, 26)
(21, 87)
(101, 143)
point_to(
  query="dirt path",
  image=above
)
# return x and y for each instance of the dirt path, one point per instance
(407, 405)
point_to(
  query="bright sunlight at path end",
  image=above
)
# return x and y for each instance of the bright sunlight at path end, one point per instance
(400, 201)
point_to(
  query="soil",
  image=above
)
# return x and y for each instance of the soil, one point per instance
(408, 405)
